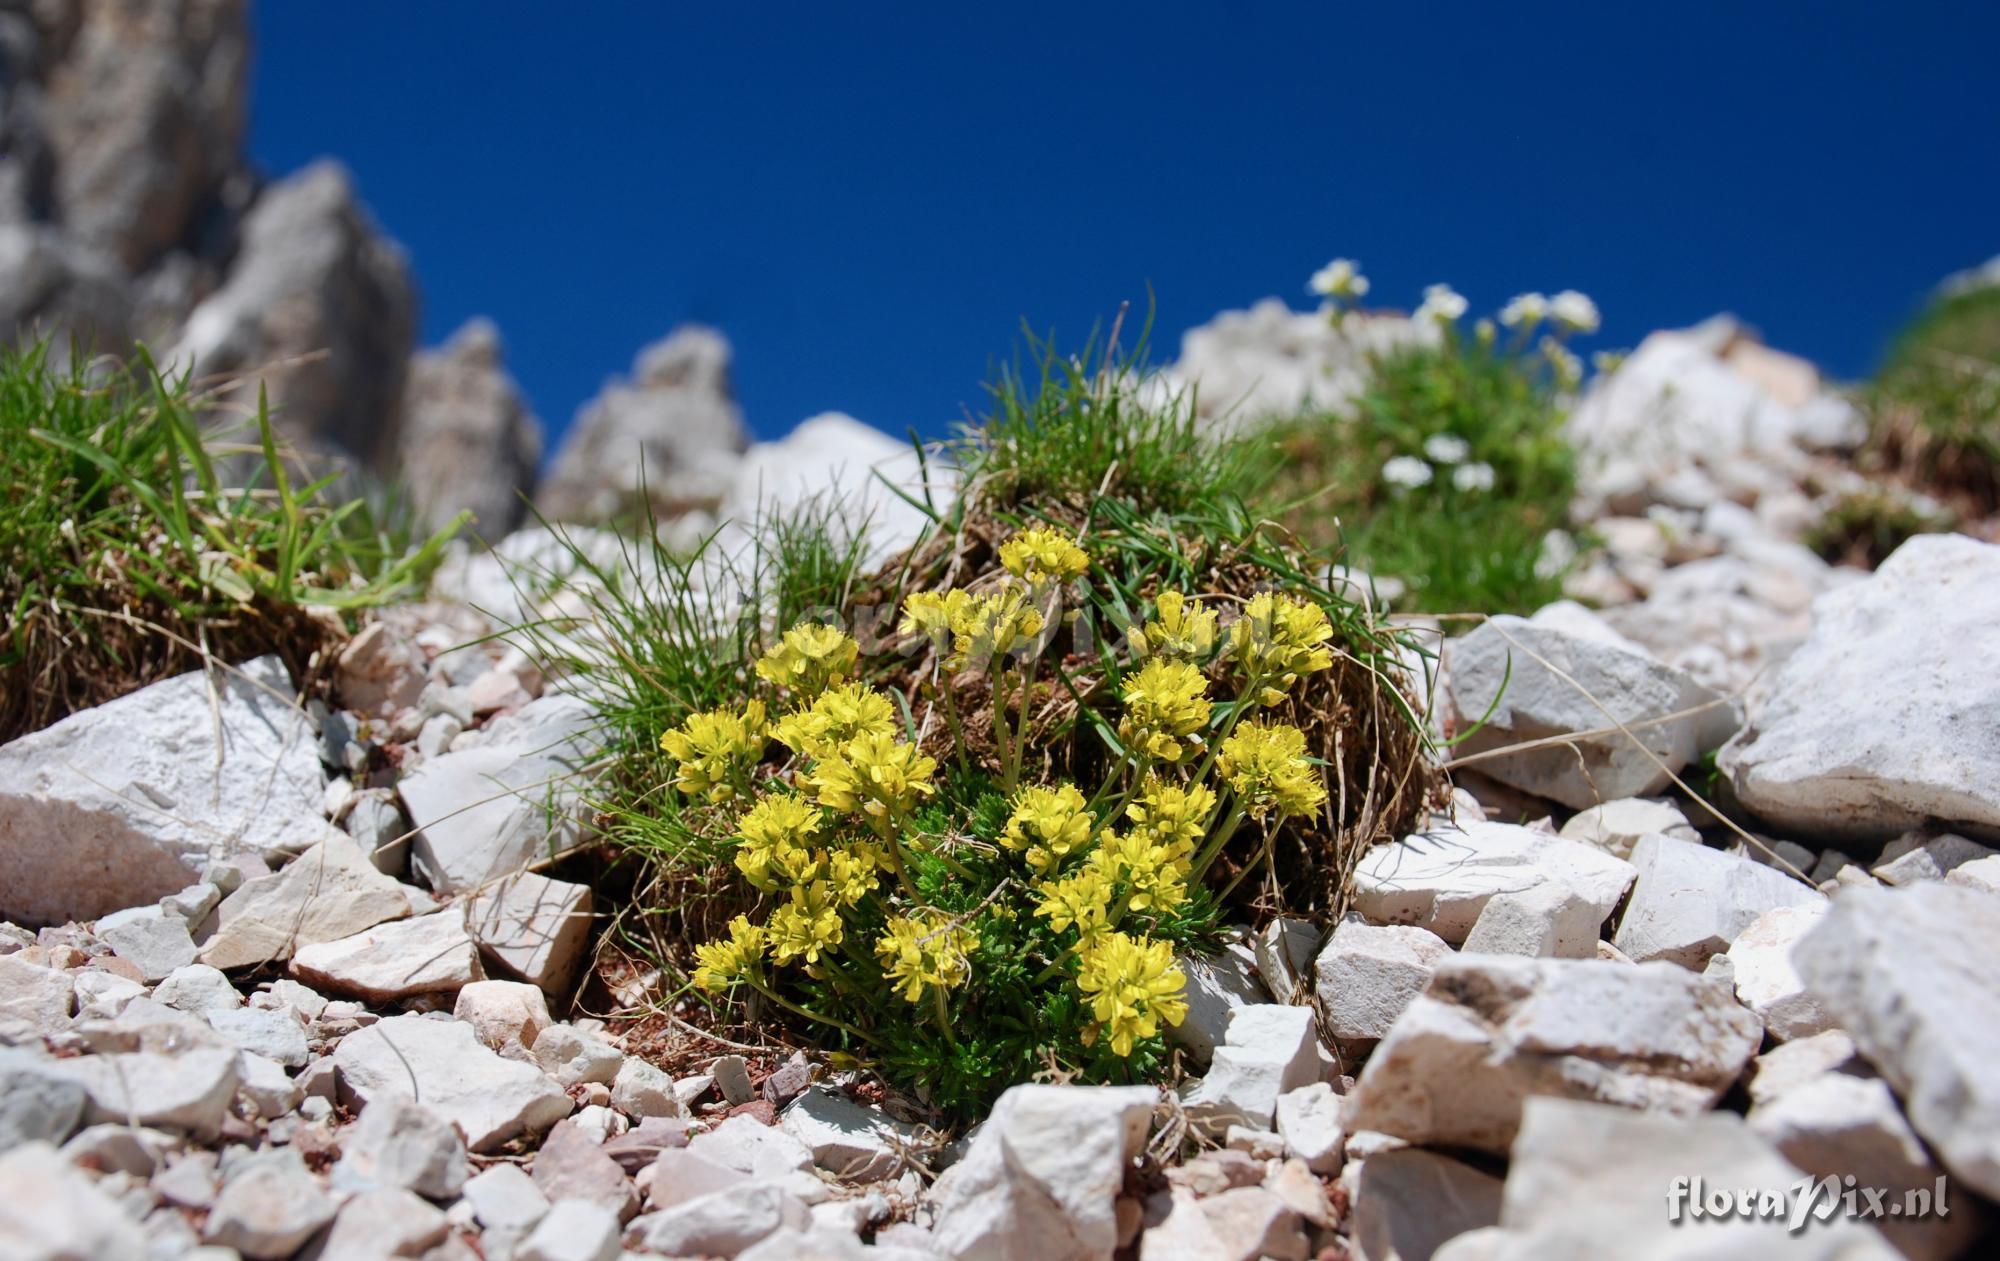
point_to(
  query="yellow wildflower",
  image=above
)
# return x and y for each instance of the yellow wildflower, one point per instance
(1280, 638)
(724, 962)
(925, 949)
(772, 840)
(1155, 875)
(1165, 703)
(714, 748)
(873, 773)
(1082, 901)
(1133, 987)
(836, 716)
(852, 873)
(807, 925)
(1172, 815)
(809, 659)
(1041, 555)
(1266, 765)
(1181, 629)
(1050, 823)
(989, 627)
(934, 613)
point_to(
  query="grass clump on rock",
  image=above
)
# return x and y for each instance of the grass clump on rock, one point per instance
(960, 823)
(1935, 405)
(136, 543)
(1449, 471)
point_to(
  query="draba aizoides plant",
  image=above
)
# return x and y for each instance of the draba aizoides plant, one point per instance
(959, 927)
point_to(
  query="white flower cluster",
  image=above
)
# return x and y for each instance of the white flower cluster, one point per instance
(1408, 472)
(1339, 279)
(1570, 311)
(1442, 303)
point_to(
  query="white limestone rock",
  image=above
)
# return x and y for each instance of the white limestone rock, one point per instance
(51, 1209)
(1549, 921)
(123, 804)
(197, 989)
(1837, 1125)
(399, 1144)
(534, 928)
(487, 811)
(850, 1141)
(1616, 826)
(149, 938)
(329, 892)
(1584, 1173)
(1689, 901)
(377, 1224)
(503, 1014)
(268, 1207)
(188, 1092)
(1629, 686)
(571, 1056)
(1874, 725)
(1492, 1031)
(1271, 1048)
(1217, 985)
(721, 1223)
(1041, 1179)
(1441, 879)
(1308, 1119)
(1918, 856)
(276, 1035)
(1760, 961)
(431, 954)
(37, 1105)
(572, 1230)
(1368, 974)
(38, 998)
(440, 1062)
(1906, 973)
(1410, 1202)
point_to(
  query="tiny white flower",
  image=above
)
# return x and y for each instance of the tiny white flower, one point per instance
(1441, 303)
(1574, 311)
(1473, 478)
(1524, 310)
(1606, 362)
(1447, 448)
(1483, 329)
(1340, 278)
(1407, 472)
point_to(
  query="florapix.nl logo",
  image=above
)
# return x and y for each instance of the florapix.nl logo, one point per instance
(1806, 1201)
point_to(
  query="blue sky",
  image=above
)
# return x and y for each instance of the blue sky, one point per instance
(869, 199)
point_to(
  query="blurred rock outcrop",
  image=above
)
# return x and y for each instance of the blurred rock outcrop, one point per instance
(468, 439)
(320, 301)
(674, 429)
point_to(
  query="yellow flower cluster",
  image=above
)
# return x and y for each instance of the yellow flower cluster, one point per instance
(1049, 824)
(1166, 705)
(835, 837)
(1278, 639)
(1266, 766)
(874, 774)
(728, 960)
(809, 659)
(1133, 987)
(925, 949)
(1181, 629)
(715, 750)
(988, 627)
(1042, 556)
(838, 715)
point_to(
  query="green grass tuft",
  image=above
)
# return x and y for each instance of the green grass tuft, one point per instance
(136, 541)
(1460, 546)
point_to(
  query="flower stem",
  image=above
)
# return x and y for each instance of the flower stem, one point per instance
(943, 1016)
(809, 1014)
(1002, 735)
(1221, 838)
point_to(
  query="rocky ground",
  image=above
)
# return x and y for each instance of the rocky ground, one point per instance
(300, 980)
(283, 980)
